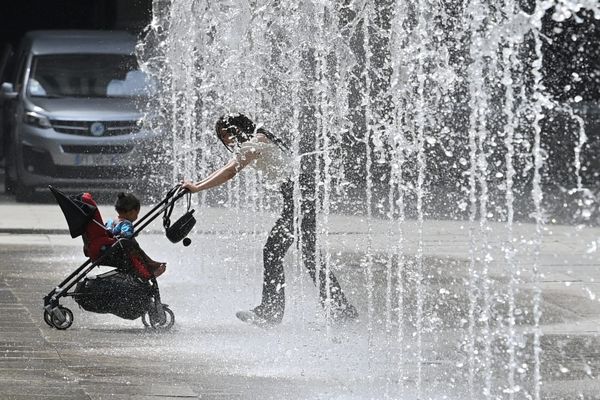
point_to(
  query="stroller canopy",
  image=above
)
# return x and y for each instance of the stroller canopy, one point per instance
(77, 213)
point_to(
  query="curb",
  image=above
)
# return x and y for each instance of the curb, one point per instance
(41, 231)
(33, 231)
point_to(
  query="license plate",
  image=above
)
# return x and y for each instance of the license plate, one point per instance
(97, 159)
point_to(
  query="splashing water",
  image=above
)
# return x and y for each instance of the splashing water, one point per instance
(404, 113)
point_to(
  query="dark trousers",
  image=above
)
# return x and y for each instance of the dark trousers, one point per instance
(279, 241)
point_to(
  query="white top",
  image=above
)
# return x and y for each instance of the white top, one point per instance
(275, 165)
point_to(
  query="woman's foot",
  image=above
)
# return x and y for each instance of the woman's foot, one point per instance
(259, 317)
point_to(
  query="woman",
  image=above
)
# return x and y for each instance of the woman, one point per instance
(261, 149)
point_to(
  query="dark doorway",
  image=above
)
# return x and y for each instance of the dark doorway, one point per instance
(18, 17)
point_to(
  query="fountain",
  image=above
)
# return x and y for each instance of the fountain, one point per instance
(412, 116)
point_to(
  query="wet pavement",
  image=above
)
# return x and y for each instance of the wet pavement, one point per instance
(210, 355)
(102, 356)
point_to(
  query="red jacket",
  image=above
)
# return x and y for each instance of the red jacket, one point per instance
(97, 239)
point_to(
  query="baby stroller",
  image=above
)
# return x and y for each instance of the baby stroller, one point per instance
(128, 290)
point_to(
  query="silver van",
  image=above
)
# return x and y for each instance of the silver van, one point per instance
(73, 113)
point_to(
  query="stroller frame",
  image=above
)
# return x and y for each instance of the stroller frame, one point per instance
(160, 317)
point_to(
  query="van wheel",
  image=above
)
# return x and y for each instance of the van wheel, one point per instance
(9, 184)
(23, 192)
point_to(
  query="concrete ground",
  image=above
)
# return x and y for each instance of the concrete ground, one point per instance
(211, 355)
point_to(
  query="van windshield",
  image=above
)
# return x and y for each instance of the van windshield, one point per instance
(87, 75)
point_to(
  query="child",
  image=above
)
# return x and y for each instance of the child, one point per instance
(128, 209)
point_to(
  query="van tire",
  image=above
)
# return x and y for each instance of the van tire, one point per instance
(9, 184)
(23, 193)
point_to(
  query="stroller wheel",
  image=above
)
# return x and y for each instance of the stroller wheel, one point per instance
(48, 319)
(164, 323)
(62, 325)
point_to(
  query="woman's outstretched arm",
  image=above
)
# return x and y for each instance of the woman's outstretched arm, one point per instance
(221, 175)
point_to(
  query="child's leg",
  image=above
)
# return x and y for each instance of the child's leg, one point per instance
(138, 256)
(141, 253)
(140, 267)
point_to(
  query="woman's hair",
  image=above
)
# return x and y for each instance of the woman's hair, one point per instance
(126, 202)
(246, 129)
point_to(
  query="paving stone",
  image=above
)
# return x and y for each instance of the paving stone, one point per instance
(156, 390)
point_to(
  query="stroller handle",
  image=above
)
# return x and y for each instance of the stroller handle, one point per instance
(174, 194)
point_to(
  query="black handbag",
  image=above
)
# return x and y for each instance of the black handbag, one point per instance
(178, 231)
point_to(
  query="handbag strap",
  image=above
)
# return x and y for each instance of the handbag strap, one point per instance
(169, 210)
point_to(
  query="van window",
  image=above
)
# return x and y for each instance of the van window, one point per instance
(87, 75)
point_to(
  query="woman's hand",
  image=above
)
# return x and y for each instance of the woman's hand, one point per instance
(190, 186)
